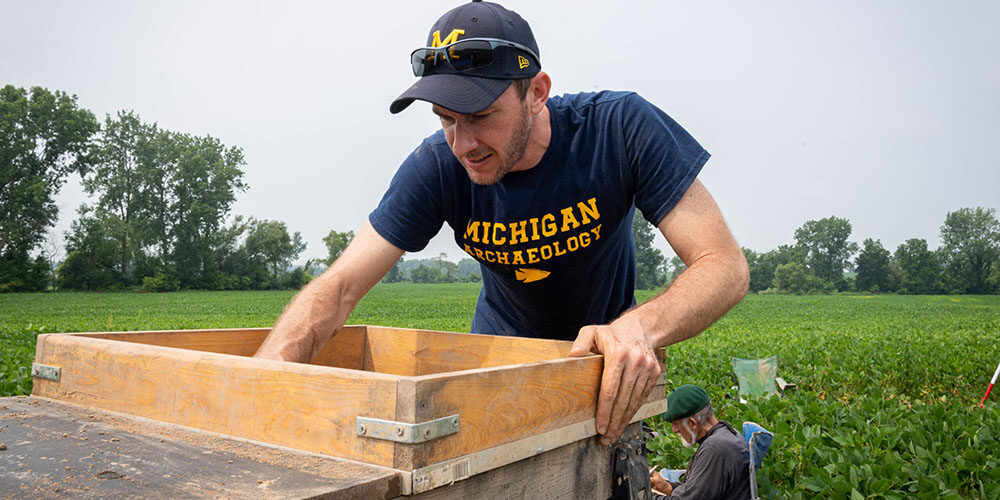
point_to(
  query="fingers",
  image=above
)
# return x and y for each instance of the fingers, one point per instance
(622, 402)
(629, 375)
(584, 342)
(645, 381)
(610, 381)
(637, 372)
(657, 481)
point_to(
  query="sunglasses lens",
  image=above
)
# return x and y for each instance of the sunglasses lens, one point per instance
(462, 56)
(471, 54)
(422, 61)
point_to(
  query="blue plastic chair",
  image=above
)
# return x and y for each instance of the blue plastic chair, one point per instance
(758, 441)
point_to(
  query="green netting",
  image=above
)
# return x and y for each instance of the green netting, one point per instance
(756, 376)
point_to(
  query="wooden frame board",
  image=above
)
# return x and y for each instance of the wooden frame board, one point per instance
(59, 450)
(507, 391)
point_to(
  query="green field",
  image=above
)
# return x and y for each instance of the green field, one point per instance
(887, 405)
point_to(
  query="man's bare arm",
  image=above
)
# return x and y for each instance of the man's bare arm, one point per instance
(321, 308)
(716, 279)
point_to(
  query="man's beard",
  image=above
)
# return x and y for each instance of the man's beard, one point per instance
(514, 150)
(684, 441)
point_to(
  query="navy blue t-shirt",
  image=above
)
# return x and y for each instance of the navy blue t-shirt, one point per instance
(555, 241)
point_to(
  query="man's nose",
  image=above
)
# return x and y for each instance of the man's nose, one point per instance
(465, 139)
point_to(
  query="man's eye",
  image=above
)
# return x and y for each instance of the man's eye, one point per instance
(480, 116)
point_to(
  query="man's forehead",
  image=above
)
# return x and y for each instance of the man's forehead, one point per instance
(441, 110)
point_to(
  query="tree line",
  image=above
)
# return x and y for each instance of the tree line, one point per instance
(429, 270)
(824, 260)
(159, 199)
(159, 202)
(434, 270)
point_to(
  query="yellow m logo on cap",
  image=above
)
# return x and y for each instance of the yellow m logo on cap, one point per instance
(452, 37)
(522, 62)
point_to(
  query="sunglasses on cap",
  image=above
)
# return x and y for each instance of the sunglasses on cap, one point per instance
(462, 55)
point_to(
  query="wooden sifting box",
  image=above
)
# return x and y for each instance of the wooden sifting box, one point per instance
(436, 406)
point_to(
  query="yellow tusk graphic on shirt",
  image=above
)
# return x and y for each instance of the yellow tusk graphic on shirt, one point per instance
(529, 275)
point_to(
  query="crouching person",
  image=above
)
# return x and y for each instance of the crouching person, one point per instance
(720, 468)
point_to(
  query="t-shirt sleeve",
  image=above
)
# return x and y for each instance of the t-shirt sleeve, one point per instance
(664, 158)
(410, 214)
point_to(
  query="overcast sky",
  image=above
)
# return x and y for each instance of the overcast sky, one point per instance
(886, 113)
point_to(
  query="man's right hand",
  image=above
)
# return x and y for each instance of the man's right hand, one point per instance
(321, 308)
(630, 371)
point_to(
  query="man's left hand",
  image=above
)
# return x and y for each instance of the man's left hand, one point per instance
(660, 485)
(630, 371)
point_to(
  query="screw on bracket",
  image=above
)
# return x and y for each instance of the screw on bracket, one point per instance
(361, 429)
(399, 431)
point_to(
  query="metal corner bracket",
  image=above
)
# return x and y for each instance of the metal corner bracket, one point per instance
(45, 371)
(402, 432)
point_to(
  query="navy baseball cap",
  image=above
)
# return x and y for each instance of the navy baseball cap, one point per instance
(471, 90)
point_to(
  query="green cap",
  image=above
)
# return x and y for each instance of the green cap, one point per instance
(685, 401)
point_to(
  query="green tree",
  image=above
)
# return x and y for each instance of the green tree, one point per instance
(919, 268)
(994, 279)
(120, 180)
(873, 267)
(242, 271)
(297, 278)
(269, 242)
(207, 175)
(44, 136)
(262, 260)
(156, 224)
(791, 278)
(753, 263)
(22, 273)
(336, 242)
(50, 252)
(648, 259)
(448, 270)
(425, 274)
(232, 258)
(468, 267)
(762, 265)
(163, 196)
(91, 255)
(827, 251)
(970, 240)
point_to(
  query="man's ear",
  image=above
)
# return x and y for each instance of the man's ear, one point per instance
(541, 84)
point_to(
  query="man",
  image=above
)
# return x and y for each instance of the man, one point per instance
(720, 468)
(541, 192)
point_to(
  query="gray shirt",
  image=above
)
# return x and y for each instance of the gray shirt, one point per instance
(719, 469)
